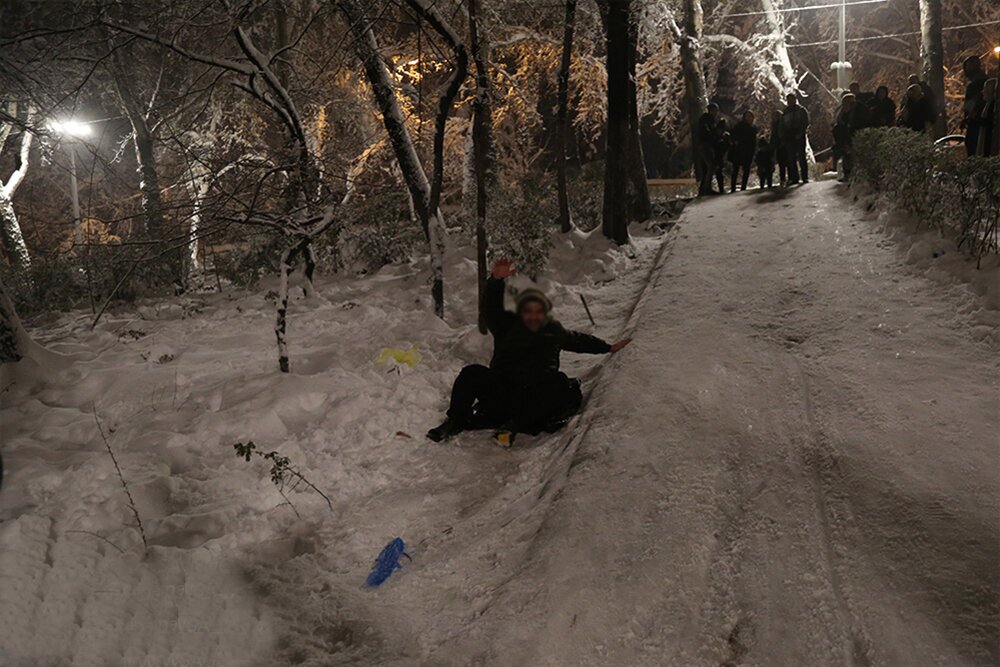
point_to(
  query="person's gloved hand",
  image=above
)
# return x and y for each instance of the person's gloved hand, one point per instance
(503, 268)
(617, 345)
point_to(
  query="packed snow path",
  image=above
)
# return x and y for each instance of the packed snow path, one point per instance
(796, 463)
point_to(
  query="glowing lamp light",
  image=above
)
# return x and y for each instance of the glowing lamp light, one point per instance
(73, 128)
(996, 50)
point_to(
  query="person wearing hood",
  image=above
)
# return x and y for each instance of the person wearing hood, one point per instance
(522, 390)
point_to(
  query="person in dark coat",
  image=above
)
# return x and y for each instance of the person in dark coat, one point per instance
(794, 129)
(741, 152)
(778, 148)
(522, 390)
(883, 109)
(765, 163)
(705, 150)
(988, 120)
(863, 97)
(853, 116)
(973, 102)
(917, 114)
(925, 88)
(722, 145)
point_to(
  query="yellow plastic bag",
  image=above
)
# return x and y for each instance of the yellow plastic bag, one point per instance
(410, 357)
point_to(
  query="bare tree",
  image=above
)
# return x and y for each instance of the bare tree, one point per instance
(932, 54)
(616, 169)
(14, 246)
(688, 36)
(482, 139)
(562, 114)
(383, 89)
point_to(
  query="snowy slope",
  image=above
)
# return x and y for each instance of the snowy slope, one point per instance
(796, 463)
(234, 575)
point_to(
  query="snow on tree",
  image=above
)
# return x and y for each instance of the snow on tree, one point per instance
(15, 249)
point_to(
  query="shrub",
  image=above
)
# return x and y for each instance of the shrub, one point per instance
(943, 189)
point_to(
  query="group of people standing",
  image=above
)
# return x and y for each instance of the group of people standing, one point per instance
(919, 111)
(745, 147)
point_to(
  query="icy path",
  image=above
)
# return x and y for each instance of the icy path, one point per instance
(795, 464)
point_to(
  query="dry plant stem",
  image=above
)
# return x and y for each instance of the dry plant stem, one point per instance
(121, 478)
(98, 536)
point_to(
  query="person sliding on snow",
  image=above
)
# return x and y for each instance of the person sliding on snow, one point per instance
(522, 390)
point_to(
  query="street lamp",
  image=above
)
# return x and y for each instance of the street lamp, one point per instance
(73, 129)
(842, 70)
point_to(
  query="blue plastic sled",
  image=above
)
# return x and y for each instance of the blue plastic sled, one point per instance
(387, 562)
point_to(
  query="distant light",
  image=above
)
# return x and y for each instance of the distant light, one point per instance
(996, 49)
(73, 128)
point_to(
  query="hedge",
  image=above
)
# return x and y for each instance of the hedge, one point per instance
(940, 187)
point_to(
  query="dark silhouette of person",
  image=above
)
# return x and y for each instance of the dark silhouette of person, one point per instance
(928, 92)
(741, 153)
(853, 116)
(863, 97)
(778, 148)
(722, 145)
(705, 150)
(883, 109)
(765, 163)
(794, 129)
(917, 114)
(974, 102)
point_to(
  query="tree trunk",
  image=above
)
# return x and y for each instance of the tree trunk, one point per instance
(482, 140)
(14, 247)
(640, 206)
(786, 73)
(932, 53)
(688, 35)
(616, 174)
(151, 224)
(412, 170)
(13, 338)
(562, 114)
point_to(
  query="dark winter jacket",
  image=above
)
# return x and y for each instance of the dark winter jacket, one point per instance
(706, 130)
(883, 112)
(764, 158)
(794, 125)
(527, 357)
(917, 115)
(846, 125)
(974, 101)
(744, 142)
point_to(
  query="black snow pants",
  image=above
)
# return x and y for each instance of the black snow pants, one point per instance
(483, 398)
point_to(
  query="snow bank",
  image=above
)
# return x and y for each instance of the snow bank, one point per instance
(234, 573)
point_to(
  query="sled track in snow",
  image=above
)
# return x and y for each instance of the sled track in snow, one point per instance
(819, 462)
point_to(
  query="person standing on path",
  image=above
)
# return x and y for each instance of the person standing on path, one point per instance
(794, 130)
(853, 116)
(705, 150)
(778, 148)
(741, 152)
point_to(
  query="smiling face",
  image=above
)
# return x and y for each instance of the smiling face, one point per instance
(532, 314)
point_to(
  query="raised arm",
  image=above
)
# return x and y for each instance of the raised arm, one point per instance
(498, 320)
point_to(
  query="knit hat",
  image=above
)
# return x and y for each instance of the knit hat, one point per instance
(532, 294)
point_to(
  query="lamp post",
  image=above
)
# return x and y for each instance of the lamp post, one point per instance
(842, 70)
(73, 129)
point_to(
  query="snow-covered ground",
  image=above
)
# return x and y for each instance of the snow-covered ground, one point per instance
(796, 463)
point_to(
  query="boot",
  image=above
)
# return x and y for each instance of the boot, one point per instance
(447, 429)
(505, 435)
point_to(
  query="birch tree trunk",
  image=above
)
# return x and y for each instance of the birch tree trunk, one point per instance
(562, 114)
(15, 249)
(383, 89)
(616, 175)
(786, 73)
(482, 148)
(932, 54)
